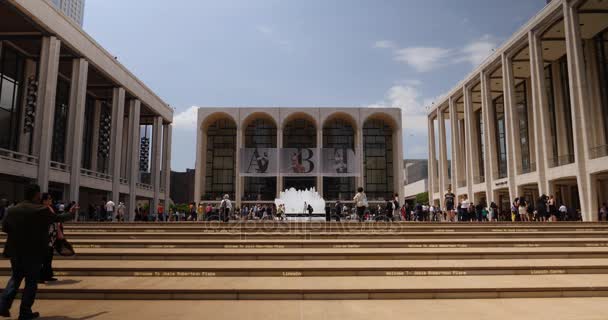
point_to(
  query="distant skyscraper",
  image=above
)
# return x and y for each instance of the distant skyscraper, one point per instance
(71, 8)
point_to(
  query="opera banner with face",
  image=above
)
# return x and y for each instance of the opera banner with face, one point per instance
(259, 162)
(339, 162)
(299, 161)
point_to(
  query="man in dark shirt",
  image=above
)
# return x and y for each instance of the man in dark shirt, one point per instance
(27, 229)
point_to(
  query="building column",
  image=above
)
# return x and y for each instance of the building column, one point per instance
(118, 116)
(319, 171)
(491, 160)
(579, 102)
(398, 168)
(156, 160)
(432, 158)
(133, 155)
(199, 164)
(238, 194)
(471, 143)
(167, 135)
(45, 109)
(456, 143)
(359, 149)
(542, 135)
(78, 94)
(279, 146)
(511, 121)
(443, 157)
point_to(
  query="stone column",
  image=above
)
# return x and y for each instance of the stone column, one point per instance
(318, 155)
(511, 123)
(199, 164)
(78, 94)
(432, 158)
(156, 160)
(443, 157)
(279, 146)
(359, 149)
(542, 134)
(167, 133)
(471, 144)
(398, 167)
(45, 109)
(238, 194)
(118, 116)
(579, 101)
(133, 155)
(456, 143)
(491, 161)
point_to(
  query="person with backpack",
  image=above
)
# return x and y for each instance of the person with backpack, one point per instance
(361, 203)
(225, 207)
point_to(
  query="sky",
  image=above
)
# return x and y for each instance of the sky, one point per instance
(302, 53)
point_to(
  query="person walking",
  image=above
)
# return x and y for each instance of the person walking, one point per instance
(361, 203)
(109, 206)
(225, 207)
(55, 233)
(27, 229)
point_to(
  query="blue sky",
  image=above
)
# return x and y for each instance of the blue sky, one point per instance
(302, 53)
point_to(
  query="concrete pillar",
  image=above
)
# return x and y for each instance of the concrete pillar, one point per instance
(167, 136)
(319, 171)
(398, 179)
(78, 94)
(45, 109)
(542, 134)
(456, 144)
(133, 155)
(199, 164)
(279, 146)
(156, 160)
(511, 123)
(471, 143)
(118, 116)
(359, 149)
(579, 102)
(491, 158)
(238, 194)
(432, 158)
(443, 158)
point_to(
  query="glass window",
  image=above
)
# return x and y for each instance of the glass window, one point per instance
(221, 159)
(563, 66)
(260, 133)
(11, 79)
(480, 144)
(602, 60)
(501, 137)
(62, 100)
(378, 160)
(521, 103)
(300, 133)
(338, 133)
(87, 139)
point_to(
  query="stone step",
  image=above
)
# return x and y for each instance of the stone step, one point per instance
(325, 288)
(338, 243)
(322, 268)
(338, 253)
(331, 235)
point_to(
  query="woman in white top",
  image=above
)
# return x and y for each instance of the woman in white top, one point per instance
(361, 203)
(523, 211)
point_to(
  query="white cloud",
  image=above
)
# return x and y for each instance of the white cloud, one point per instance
(186, 120)
(384, 44)
(423, 59)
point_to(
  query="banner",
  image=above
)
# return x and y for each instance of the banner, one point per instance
(259, 162)
(339, 162)
(299, 162)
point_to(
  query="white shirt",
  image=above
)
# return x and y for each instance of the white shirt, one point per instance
(110, 206)
(563, 208)
(464, 204)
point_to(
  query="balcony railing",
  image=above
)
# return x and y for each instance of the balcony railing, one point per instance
(528, 167)
(479, 179)
(124, 181)
(18, 156)
(462, 183)
(599, 151)
(561, 160)
(95, 174)
(59, 166)
(144, 186)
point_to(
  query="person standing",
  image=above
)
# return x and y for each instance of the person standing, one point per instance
(449, 203)
(27, 229)
(109, 206)
(225, 207)
(396, 207)
(361, 203)
(46, 273)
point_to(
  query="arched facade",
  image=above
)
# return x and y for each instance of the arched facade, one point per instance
(278, 148)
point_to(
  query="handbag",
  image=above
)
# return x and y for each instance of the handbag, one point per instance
(64, 248)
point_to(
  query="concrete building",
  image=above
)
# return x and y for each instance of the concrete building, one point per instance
(254, 153)
(71, 8)
(416, 177)
(72, 118)
(532, 119)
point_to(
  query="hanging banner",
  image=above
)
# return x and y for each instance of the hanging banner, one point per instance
(259, 162)
(299, 161)
(339, 162)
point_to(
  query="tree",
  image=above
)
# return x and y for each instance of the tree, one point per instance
(422, 197)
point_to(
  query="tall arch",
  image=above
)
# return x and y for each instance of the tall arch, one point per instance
(378, 156)
(219, 154)
(300, 131)
(259, 131)
(339, 131)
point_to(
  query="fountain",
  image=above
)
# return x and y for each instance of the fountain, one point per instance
(294, 201)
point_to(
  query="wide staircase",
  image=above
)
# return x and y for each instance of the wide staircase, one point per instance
(333, 261)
